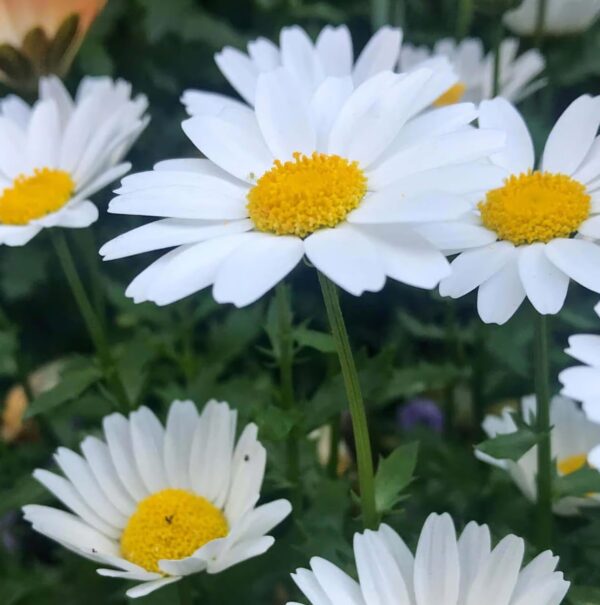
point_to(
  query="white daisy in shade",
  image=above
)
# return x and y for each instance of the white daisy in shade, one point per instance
(583, 382)
(542, 222)
(56, 154)
(308, 64)
(156, 504)
(346, 180)
(562, 17)
(573, 437)
(475, 69)
(444, 570)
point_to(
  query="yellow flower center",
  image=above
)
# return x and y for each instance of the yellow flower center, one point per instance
(170, 524)
(453, 95)
(569, 465)
(535, 207)
(305, 194)
(32, 197)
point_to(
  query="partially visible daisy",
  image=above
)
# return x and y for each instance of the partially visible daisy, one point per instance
(155, 504)
(573, 437)
(445, 570)
(562, 17)
(583, 382)
(475, 69)
(308, 64)
(543, 224)
(56, 154)
(345, 180)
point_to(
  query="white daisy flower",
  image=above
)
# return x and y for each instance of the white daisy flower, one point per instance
(475, 69)
(156, 504)
(573, 438)
(56, 154)
(308, 64)
(583, 382)
(444, 570)
(346, 181)
(538, 221)
(562, 17)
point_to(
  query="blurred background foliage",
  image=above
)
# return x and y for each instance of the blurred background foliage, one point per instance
(409, 343)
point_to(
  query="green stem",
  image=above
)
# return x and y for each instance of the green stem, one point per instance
(499, 34)
(540, 23)
(184, 592)
(380, 13)
(286, 378)
(355, 402)
(92, 323)
(465, 18)
(544, 452)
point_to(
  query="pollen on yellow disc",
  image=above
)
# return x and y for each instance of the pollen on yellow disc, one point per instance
(170, 524)
(535, 207)
(305, 194)
(32, 197)
(453, 95)
(569, 465)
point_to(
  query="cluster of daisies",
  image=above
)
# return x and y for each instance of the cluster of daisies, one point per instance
(371, 168)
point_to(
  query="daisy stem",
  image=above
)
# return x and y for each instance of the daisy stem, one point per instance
(380, 13)
(540, 22)
(544, 452)
(498, 35)
(286, 377)
(93, 324)
(465, 18)
(355, 401)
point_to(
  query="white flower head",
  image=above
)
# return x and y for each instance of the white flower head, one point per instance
(573, 438)
(583, 382)
(346, 179)
(308, 64)
(542, 225)
(444, 570)
(56, 154)
(475, 69)
(155, 504)
(562, 17)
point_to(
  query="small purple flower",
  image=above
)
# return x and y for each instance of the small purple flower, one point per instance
(420, 412)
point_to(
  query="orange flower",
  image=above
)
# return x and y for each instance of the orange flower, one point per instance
(39, 37)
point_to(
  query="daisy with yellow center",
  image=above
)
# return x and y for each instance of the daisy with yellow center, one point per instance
(155, 504)
(573, 438)
(56, 154)
(542, 224)
(347, 179)
(474, 69)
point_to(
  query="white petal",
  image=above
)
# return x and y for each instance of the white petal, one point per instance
(585, 348)
(518, 154)
(181, 425)
(334, 49)
(455, 235)
(264, 53)
(13, 160)
(79, 215)
(501, 295)
(239, 553)
(590, 227)
(309, 585)
(255, 267)
(474, 546)
(346, 257)
(43, 135)
(579, 259)
(572, 136)
(299, 58)
(145, 589)
(147, 438)
(199, 102)
(239, 71)
(13, 235)
(546, 285)
(338, 586)
(380, 54)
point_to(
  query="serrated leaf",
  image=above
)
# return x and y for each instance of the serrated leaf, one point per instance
(579, 483)
(75, 379)
(511, 446)
(394, 473)
(320, 341)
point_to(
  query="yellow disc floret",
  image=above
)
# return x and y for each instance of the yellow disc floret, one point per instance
(170, 524)
(535, 207)
(453, 95)
(32, 197)
(305, 194)
(569, 465)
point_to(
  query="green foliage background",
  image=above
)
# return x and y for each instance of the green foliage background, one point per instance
(409, 343)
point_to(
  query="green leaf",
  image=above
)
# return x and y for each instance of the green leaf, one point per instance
(75, 379)
(511, 446)
(26, 491)
(579, 483)
(320, 341)
(275, 424)
(394, 473)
